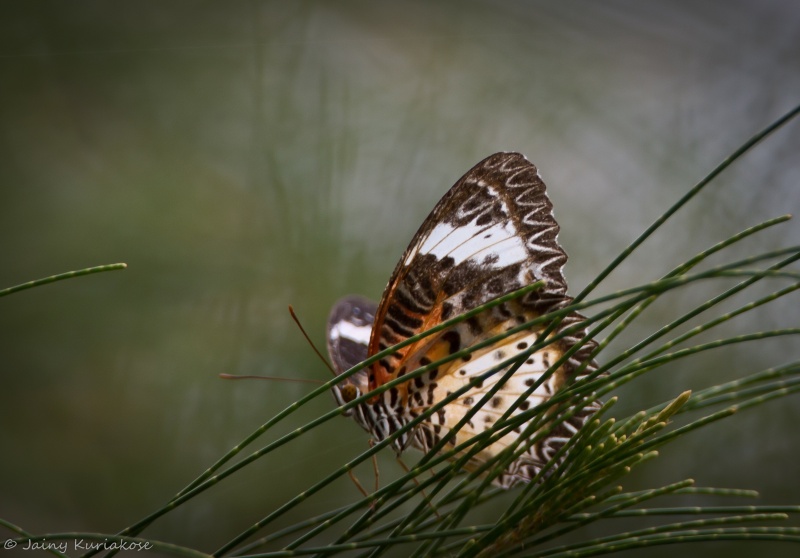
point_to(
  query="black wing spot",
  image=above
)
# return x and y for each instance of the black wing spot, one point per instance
(522, 346)
(497, 401)
(462, 372)
(431, 389)
(453, 339)
(447, 310)
(433, 373)
(500, 355)
(484, 219)
(468, 401)
(529, 382)
(529, 361)
(424, 361)
(524, 406)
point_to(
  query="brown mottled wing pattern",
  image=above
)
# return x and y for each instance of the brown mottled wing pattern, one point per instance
(492, 233)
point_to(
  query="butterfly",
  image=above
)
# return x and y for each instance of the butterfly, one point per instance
(491, 234)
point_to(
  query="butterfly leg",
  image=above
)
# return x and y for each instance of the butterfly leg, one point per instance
(357, 483)
(375, 470)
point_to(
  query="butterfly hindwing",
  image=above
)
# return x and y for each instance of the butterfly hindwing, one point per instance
(519, 393)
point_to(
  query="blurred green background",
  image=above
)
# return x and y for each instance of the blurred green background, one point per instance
(243, 156)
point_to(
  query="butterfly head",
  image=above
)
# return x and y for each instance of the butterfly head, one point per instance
(344, 393)
(349, 330)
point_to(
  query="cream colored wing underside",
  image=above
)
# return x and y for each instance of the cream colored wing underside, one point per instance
(458, 374)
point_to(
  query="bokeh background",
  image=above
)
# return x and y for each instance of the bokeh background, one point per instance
(243, 156)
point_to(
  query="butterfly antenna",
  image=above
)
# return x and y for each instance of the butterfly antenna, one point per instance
(303, 331)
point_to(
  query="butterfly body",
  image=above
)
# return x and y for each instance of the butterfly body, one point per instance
(491, 234)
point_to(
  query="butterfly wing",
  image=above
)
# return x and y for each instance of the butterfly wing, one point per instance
(349, 329)
(491, 234)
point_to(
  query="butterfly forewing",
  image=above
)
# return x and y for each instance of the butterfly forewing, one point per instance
(492, 233)
(349, 329)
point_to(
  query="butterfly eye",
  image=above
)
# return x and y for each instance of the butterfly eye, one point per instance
(349, 392)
